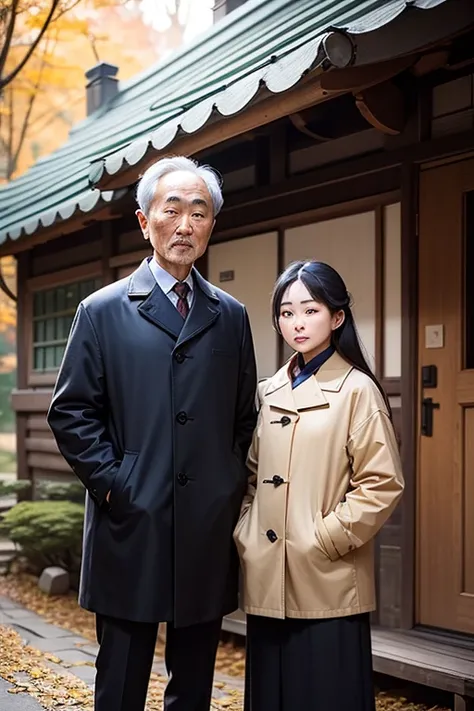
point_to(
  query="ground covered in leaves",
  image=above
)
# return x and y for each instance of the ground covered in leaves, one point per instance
(27, 669)
(30, 670)
(63, 610)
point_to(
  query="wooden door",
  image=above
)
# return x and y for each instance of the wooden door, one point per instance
(445, 520)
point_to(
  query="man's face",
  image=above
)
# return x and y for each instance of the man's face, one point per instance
(180, 221)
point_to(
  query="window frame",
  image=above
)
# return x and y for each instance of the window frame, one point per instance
(84, 272)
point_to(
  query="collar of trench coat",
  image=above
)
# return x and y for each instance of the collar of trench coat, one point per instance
(142, 283)
(157, 308)
(330, 377)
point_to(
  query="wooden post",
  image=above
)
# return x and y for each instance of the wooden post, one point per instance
(463, 703)
(409, 388)
(107, 252)
(23, 343)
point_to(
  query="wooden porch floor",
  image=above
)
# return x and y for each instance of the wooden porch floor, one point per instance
(414, 656)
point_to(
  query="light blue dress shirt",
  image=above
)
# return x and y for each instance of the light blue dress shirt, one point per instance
(166, 282)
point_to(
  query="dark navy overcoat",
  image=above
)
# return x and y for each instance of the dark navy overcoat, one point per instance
(159, 412)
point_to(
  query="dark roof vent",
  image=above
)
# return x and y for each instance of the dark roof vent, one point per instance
(102, 85)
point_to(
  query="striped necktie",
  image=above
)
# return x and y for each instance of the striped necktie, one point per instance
(181, 288)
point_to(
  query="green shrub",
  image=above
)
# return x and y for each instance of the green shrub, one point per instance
(47, 533)
(60, 491)
(10, 488)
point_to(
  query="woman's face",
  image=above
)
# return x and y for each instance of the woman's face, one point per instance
(306, 324)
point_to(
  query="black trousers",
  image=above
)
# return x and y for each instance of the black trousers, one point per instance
(309, 665)
(126, 656)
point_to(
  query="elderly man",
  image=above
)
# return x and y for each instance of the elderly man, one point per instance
(154, 411)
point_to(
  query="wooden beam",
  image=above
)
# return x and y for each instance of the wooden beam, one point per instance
(423, 151)
(36, 422)
(48, 461)
(253, 226)
(59, 229)
(299, 123)
(357, 78)
(392, 386)
(37, 444)
(430, 62)
(355, 167)
(41, 380)
(383, 107)
(65, 276)
(123, 260)
(31, 400)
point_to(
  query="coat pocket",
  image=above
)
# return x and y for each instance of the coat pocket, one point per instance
(242, 518)
(318, 524)
(121, 478)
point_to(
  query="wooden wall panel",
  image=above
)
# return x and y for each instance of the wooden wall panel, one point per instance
(130, 241)
(42, 457)
(389, 557)
(71, 250)
(468, 502)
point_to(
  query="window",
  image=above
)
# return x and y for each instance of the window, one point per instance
(53, 312)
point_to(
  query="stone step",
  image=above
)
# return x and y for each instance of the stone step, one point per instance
(7, 551)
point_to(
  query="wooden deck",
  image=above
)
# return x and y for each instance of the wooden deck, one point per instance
(415, 656)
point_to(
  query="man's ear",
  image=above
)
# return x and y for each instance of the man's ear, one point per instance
(143, 220)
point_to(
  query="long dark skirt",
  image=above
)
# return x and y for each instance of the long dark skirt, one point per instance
(309, 665)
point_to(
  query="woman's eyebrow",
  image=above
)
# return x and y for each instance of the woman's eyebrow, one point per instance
(290, 303)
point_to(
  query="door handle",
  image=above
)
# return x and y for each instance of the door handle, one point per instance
(427, 407)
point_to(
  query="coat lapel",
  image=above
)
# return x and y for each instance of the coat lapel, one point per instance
(155, 306)
(306, 396)
(310, 394)
(204, 311)
(333, 372)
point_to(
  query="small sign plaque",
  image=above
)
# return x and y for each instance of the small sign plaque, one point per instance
(434, 336)
(229, 275)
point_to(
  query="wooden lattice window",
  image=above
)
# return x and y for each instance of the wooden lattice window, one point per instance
(53, 312)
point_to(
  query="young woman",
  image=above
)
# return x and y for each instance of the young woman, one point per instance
(326, 476)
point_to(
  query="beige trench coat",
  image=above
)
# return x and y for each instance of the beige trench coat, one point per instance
(306, 544)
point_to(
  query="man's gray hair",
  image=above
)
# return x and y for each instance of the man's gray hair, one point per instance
(149, 180)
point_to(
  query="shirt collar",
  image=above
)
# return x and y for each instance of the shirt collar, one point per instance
(164, 279)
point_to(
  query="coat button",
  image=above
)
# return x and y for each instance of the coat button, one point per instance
(271, 535)
(179, 357)
(278, 480)
(182, 479)
(181, 418)
(285, 421)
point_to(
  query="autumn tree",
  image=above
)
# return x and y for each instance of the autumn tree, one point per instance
(35, 18)
(47, 96)
(28, 30)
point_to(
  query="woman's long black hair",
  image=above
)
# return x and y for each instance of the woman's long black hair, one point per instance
(327, 287)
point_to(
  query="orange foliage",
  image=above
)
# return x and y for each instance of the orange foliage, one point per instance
(42, 103)
(7, 305)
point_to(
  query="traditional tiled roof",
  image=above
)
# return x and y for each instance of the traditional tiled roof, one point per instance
(265, 43)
